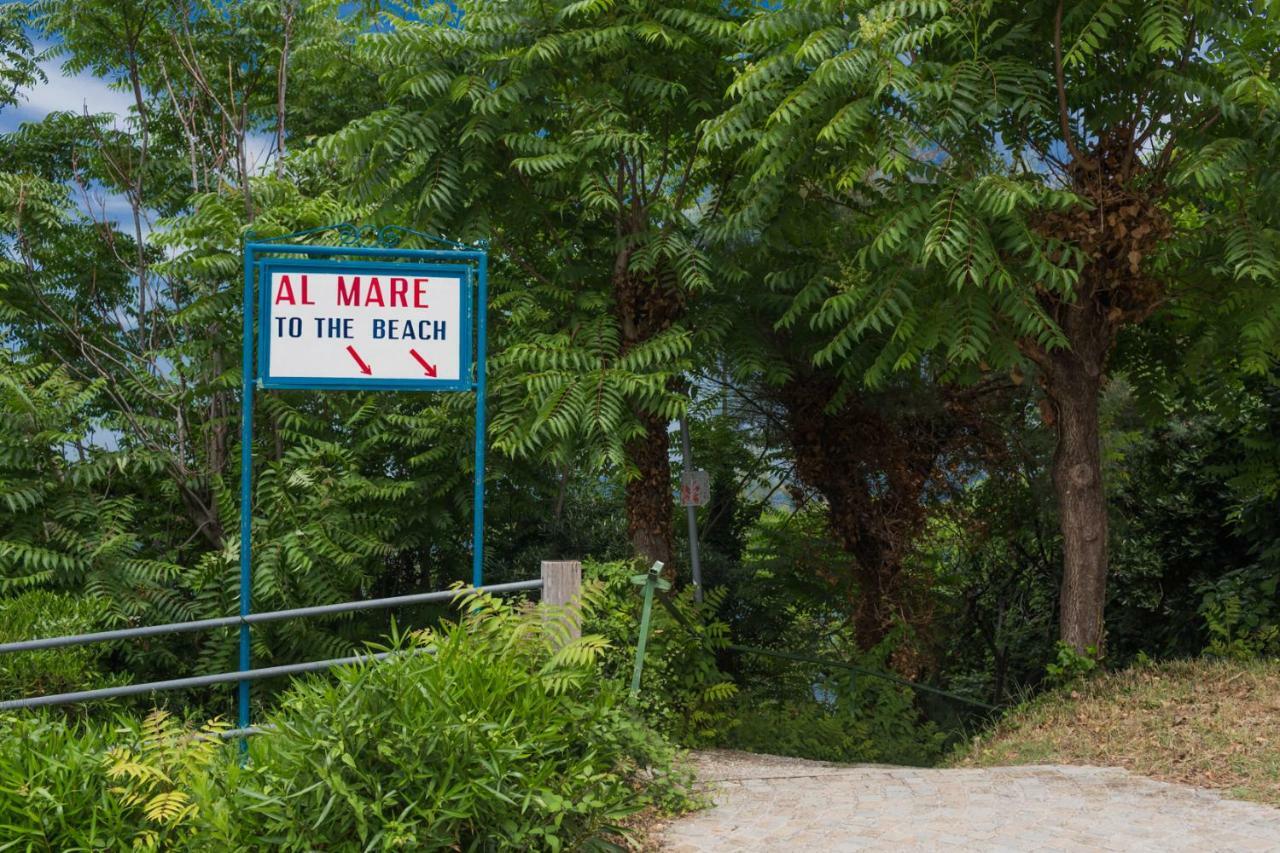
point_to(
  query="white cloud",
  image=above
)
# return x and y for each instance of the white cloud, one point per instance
(63, 92)
(259, 149)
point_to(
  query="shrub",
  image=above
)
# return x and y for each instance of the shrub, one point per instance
(492, 733)
(38, 614)
(176, 785)
(1241, 612)
(158, 784)
(1070, 666)
(835, 715)
(784, 707)
(683, 693)
(51, 791)
(478, 734)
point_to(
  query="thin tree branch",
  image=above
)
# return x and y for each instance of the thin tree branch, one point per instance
(1064, 116)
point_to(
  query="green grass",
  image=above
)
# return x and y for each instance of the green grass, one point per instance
(1215, 724)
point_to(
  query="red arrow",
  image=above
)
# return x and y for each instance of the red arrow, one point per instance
(364, 368)
(429, 369)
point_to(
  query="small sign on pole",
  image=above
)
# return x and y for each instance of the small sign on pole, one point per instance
(695, 488)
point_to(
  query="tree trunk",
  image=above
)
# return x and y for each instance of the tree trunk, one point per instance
(1123, 223)
(649, 502)
(872, 461)
(1072, 379)
(878, 576)
(646, 306)
(1082, 503)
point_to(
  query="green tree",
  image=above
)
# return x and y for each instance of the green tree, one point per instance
(119, 465)
(19, 68)
(121, 344)
(882, 459)
(568, 134)
(1031, 178)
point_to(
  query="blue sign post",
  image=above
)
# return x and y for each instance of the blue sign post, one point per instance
(359, 317)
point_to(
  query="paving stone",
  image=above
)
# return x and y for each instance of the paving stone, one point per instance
(769, 803)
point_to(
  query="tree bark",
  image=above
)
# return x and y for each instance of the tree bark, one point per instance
(648, 496)
(646, 306)
(1123, 224)
(1074, 386)
(1072, 378)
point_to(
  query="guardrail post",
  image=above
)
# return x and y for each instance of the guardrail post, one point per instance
(562, 590)
(650, 581)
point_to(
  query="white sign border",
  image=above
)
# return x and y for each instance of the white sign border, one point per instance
(268, 266)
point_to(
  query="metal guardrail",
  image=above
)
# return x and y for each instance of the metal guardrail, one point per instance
(267, 616)
(181, 683)
(227, 622)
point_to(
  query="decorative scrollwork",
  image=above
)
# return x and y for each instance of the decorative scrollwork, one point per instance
(392, 235)
(347, 234)
(386, 236)
(389, 236)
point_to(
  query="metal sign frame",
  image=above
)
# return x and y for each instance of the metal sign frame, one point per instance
(263, 253)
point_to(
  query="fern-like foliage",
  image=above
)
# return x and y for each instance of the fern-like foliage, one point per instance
(117, 480)
(566, 133)
(937, 128)
(152, 778)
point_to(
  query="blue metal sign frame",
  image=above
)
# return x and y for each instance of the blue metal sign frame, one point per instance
(460, 271)
(260, 255)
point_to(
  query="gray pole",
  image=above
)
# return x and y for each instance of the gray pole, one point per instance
(265, 616)
(692, 512)
(241, 676)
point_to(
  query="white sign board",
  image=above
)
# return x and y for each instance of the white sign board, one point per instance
(331, 324)
(695, 488)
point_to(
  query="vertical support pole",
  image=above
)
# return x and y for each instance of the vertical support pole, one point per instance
(695, 559)
(650, 581)
(482, 345)
(562, 589)
(246, 485)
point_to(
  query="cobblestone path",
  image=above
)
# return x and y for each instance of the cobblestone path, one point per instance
(783, 804)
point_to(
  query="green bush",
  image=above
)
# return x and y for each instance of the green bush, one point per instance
(492, 733)
(477, 735)
(53, 791)
(683, 693)
(775, 706)
(1070, 666)
(1241, 613)
(38, 614)
(834, 715)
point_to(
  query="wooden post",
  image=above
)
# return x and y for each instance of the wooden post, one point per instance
(562, 590)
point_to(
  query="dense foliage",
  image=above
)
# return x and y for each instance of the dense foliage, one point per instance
(972, 309)
(487, 733)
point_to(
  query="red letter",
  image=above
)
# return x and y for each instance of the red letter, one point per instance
(374, 293)
(305, 299)
(399, 290)
(352, 296)
(419, 298)
(285, 293)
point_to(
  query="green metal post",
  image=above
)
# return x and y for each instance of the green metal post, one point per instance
(651, 580)
(246, 489)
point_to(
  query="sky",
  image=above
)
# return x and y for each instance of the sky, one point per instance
(63, 92)
(76, 93)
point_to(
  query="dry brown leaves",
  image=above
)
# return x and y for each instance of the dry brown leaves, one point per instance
(1205, 723)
